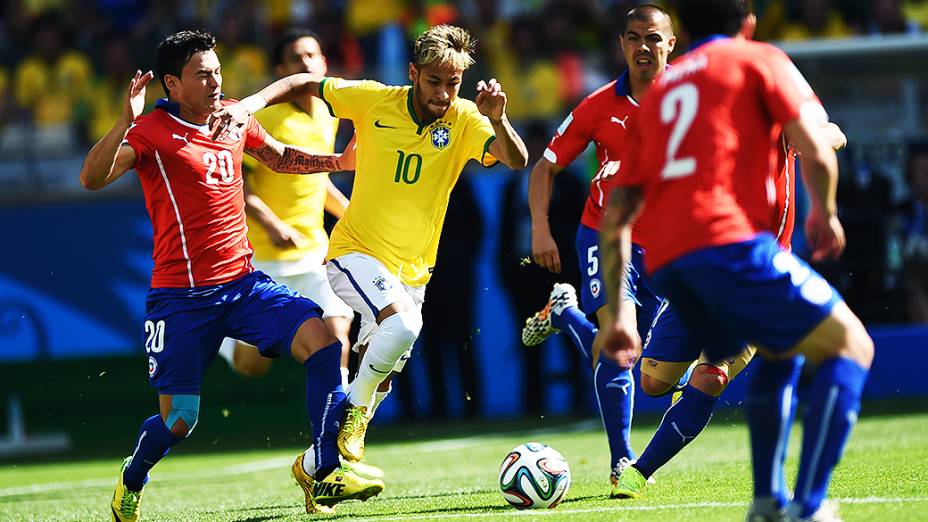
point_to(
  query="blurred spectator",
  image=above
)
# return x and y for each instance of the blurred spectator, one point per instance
(528, 74)
(244, 64)
(886, 17)
(341, 47)
(917, 11)
(527, 284)
(53, 82)
(4, 94)
(814, 19)
(915, 235)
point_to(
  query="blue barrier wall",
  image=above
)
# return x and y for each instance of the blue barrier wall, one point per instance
(74, 277)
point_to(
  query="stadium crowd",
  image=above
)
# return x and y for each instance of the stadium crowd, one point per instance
(64, 67)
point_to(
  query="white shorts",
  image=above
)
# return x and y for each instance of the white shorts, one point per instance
(368, 287)
(313, 284)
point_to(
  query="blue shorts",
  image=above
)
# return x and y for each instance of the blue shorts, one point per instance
(592, 296)
(640, 289)
(750, 292)
(184, 326)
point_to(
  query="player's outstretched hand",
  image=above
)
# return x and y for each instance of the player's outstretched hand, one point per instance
(491, 100)
(826, 235)
(544, 251)
(135, 98)
(228, 118)
(284, 237)
(618, 342)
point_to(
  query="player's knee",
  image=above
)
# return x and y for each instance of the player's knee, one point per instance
(843, 335)
(183, 415)
(248, 362)
(311, 336)
(403, 326)
(654, 387)
(709, 379)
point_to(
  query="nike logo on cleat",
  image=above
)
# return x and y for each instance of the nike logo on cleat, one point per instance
(382, 126)
(325, 489)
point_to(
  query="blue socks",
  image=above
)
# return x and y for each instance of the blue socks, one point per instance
(325, 402)
(834, 401)
(614, 386)
(681, 424)
(771, 407)
(581, 331)
(154, 442)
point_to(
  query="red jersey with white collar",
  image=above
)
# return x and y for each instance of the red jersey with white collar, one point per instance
(193, 192)
(601, 118)
(707, 160)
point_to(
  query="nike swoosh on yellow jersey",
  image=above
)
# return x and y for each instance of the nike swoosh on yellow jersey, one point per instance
(382, 126)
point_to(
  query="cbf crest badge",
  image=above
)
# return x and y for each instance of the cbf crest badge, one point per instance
(441, 135)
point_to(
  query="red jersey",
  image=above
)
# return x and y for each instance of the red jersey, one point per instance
(602, 117)
(193, 192)
(784, 210)
(707, 160)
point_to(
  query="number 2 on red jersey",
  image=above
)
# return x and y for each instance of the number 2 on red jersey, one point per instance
(679, 107)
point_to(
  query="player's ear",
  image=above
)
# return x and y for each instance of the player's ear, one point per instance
(748, 26)
(412, 72)
(172, 83)
(671, 43)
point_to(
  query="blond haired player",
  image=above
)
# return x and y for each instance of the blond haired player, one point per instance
(285, 213)
(413, 141)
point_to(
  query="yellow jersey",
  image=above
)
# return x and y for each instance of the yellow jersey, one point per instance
(298, 200)
(404, 173)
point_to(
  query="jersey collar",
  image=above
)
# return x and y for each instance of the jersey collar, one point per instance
(412, 111)
(173, 108)
(707, 39)
(622, 87)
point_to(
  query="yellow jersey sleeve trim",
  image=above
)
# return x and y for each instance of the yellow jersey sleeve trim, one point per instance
(322, 96)
(486, 149)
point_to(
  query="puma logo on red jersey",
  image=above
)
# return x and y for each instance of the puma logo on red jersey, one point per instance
(181, 138)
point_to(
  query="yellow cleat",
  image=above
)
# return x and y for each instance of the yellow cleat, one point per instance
(363, 470)
(127, 504)
(342, 484)
(351, 433)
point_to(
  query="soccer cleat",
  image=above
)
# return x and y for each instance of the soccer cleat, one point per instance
(127, 504)
(629, 483)
(351, 433)
(341, 484)
(538, 327)
(363, 470)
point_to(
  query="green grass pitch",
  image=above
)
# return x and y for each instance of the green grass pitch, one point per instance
(452, 476)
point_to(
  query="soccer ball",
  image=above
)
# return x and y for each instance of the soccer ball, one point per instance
(534, 476)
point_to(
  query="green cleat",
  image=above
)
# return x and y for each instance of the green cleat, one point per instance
(350, 438)
(127, 504)
(629, 484)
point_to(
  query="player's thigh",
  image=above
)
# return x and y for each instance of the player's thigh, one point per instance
(669, 349)
(592, 296)
(840, 334)
(181, 336)
(366, 285)
(314, 284)
(269, 315)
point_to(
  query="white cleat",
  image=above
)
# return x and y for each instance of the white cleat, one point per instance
(538, 327)
(827, 512)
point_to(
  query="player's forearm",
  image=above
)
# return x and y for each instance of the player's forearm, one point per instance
(540, 187)
(513, 152)
(97, 170)
(284, 90)
(335, 202)
(616, 241)
(257, 209)
(820, 174)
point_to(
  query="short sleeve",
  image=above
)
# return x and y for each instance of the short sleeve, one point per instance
(479, 134)
(350, 99)
(140, 143)
(572, 138)
(785, 91)
(254, 134)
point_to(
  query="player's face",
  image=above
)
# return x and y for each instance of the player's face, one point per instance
(303, 56)
(646, 46)
(434, 87)
(199, 87)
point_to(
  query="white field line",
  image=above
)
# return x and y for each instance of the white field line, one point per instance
(479, 440)
(238, 469)
(624, 507)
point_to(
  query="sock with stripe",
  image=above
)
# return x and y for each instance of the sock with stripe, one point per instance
(681, 424)
(615, 394)
(572, 322)
(154, 442)
(834, 401)
(771, 406)
(325, 402)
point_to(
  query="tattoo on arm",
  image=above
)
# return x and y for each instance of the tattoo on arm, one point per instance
(293, 160)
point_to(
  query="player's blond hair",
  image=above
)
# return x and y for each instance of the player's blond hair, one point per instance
(445, 45)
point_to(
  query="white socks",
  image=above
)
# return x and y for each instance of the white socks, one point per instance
(395, 335)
